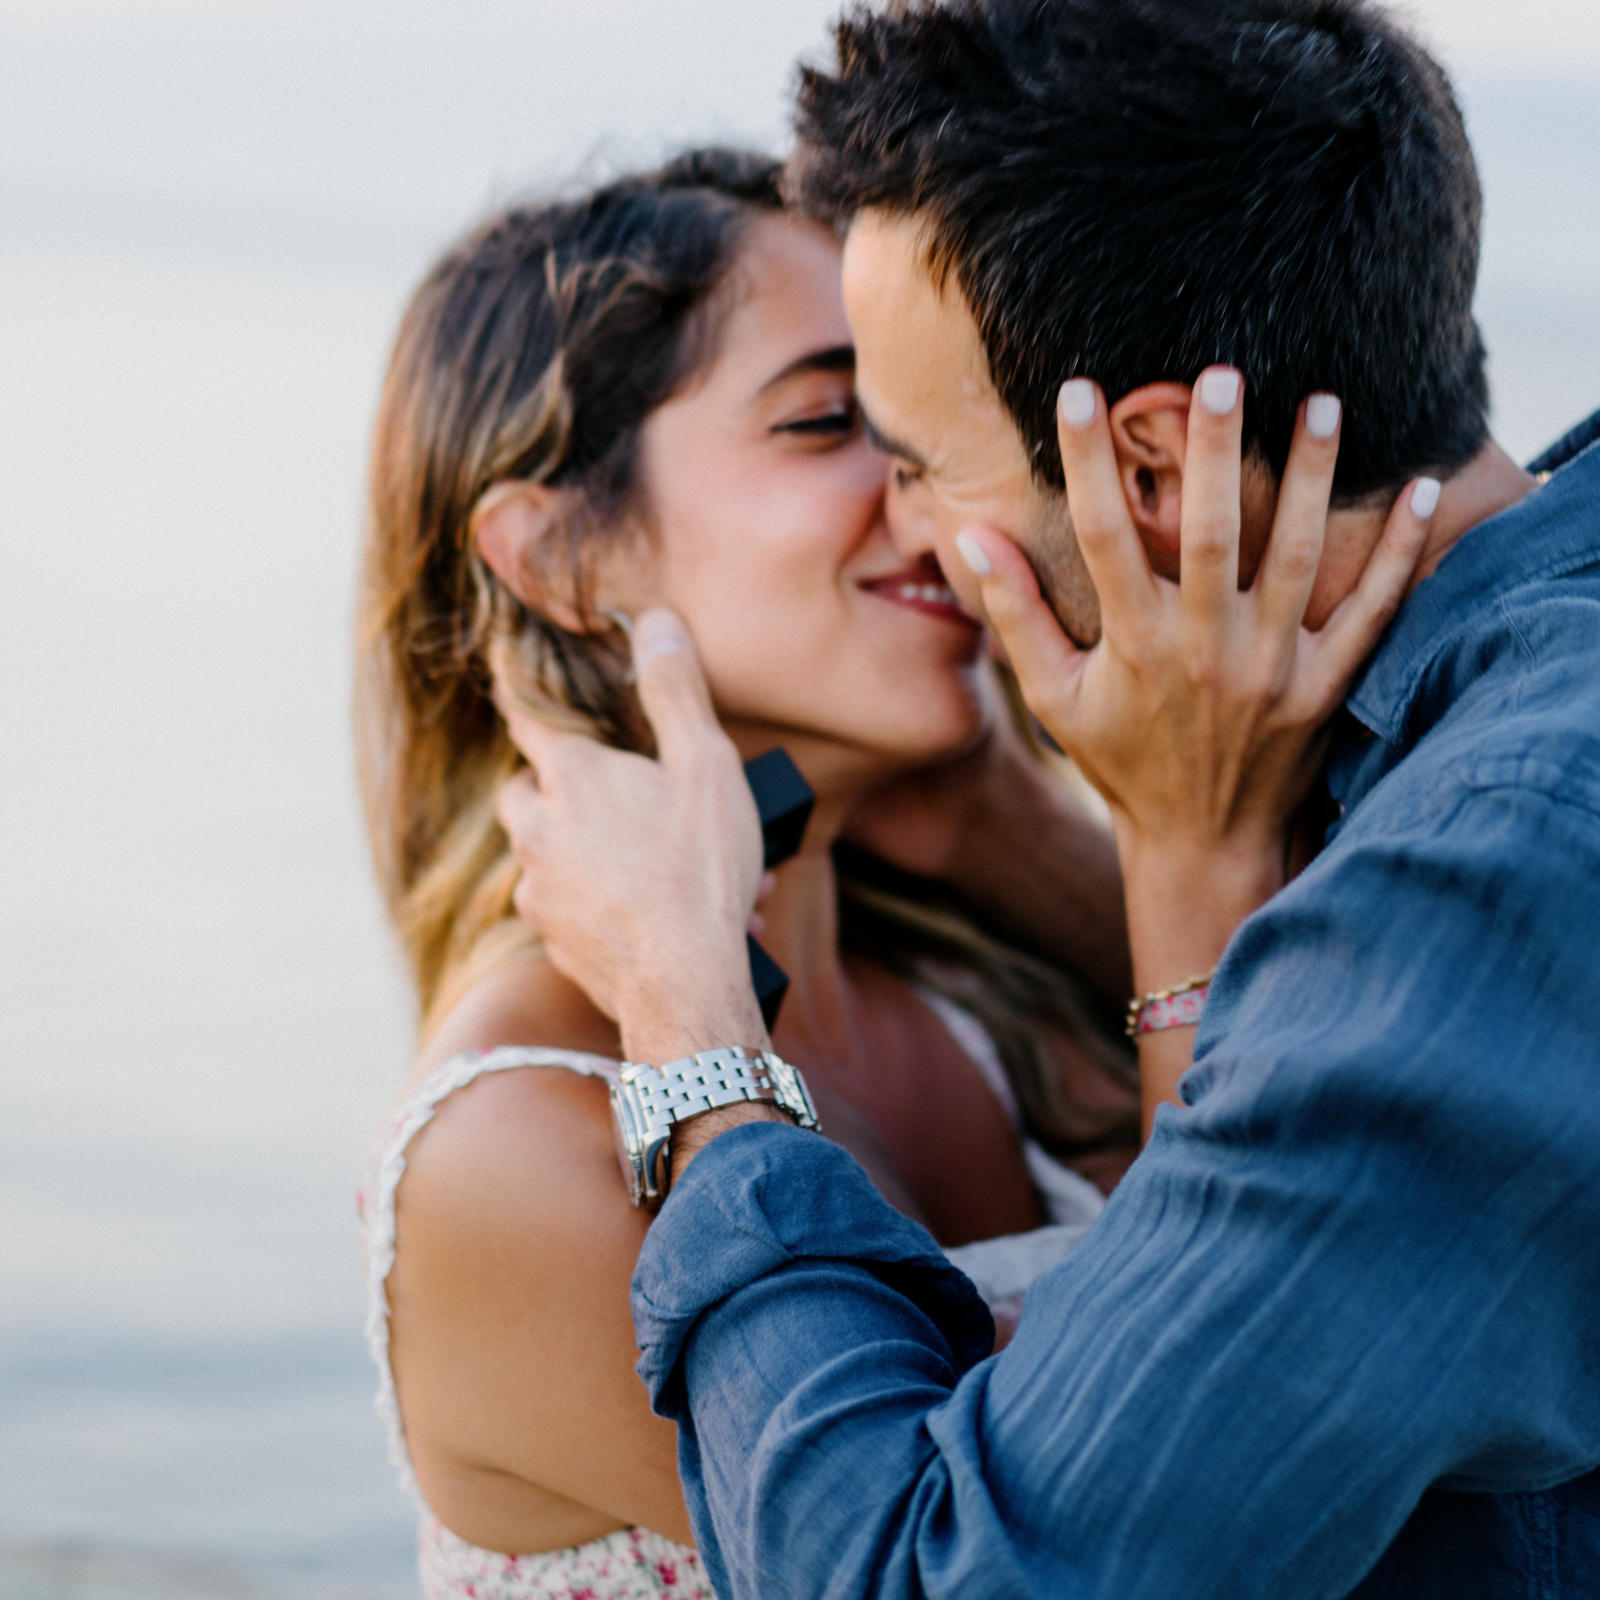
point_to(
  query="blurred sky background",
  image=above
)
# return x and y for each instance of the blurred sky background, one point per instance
(210, 216)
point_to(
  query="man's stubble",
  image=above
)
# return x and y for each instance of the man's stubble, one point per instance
(1051, 546)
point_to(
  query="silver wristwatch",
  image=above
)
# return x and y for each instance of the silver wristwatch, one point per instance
(648, 1102)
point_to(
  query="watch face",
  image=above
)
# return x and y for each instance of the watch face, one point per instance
(625, 1139)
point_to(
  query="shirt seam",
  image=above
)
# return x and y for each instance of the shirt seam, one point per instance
(1517, 633)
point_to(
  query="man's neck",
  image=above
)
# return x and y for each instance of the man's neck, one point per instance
(1484, 487)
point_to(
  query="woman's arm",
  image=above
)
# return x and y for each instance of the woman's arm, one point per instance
(512, 1343)
(1201, 713)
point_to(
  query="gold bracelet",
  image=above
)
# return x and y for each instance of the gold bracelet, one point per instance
(1150, 1013)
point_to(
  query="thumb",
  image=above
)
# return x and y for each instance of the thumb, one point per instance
(1044, 659)
(672, 686)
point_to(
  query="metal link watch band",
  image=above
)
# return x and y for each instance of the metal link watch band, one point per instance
(648, 1102)
(713, 1078)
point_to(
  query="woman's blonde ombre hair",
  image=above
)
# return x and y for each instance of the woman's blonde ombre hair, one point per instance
(534, 351)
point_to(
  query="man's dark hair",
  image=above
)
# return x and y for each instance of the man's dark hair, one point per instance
(1131, 190)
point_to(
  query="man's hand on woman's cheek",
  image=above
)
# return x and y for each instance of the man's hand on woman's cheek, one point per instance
(641, 875)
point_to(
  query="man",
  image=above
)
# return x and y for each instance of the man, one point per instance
(1338, 1331)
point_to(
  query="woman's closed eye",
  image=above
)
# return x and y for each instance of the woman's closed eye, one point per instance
(838, 421)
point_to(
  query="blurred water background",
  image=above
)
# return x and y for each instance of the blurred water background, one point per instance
(210, 215)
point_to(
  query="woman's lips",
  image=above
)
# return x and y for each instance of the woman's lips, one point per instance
(921, 592)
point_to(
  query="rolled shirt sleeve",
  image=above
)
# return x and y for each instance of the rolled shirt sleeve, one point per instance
(1362, 1261)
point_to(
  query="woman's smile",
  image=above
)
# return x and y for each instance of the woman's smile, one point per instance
(922, 588)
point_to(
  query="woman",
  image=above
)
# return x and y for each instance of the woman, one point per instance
(645, 396)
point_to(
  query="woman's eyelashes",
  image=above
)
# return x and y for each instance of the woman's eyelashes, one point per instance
(904, 477)
(835, 423)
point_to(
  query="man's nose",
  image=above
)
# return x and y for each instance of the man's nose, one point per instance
(920, 538)
(911, 528)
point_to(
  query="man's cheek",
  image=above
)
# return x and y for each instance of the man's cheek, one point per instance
(1064, 581)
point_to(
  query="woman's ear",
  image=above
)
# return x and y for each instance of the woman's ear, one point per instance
(511, 526)
(1149, 430)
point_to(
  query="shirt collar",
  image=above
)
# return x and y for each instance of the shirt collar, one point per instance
(1555, 529)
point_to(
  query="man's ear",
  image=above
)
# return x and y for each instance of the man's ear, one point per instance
(511, 526)
(1149, 430)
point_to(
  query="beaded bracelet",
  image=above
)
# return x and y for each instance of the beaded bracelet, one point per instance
(1177, 1007)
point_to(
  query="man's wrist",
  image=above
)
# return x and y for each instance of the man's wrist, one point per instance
(701, 999)
(698, 998)
(691, 1137)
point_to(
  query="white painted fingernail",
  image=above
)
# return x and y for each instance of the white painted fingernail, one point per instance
(1322, 415)
(1076, 401)
(659, 633)
(1219, 391)
(972, 554)
(1424, 497)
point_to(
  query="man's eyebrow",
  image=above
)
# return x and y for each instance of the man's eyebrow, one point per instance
(836, 358)
(890, 447)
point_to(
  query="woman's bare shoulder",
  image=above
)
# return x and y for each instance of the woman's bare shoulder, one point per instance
(514, 1165)
(511, 1206)
(482, 1172)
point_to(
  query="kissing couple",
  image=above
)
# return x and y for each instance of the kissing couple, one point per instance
(1252, 1040)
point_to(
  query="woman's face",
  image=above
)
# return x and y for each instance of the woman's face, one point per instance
(767, 506)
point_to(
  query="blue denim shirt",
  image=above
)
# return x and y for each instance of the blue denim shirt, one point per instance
(1338, 1330)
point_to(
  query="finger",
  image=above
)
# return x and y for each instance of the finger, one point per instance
(548, 749)
(1289, 569)
(518, 804)
(672, 687)
(1208, 529)
(1351, 634)
(524, 900)
(1044, 659)
(1105, 532)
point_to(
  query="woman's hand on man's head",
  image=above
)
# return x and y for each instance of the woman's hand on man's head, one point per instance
(1199, 713)
(641, 875)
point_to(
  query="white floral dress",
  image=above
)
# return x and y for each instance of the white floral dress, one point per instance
(634, 1563)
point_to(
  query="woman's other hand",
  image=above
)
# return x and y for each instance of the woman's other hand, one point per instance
(1201, 713)
(641, 875)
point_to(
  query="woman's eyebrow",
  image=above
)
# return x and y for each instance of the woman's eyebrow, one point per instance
(836, 358)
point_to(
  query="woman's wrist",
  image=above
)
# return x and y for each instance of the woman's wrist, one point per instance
(1185, 900)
